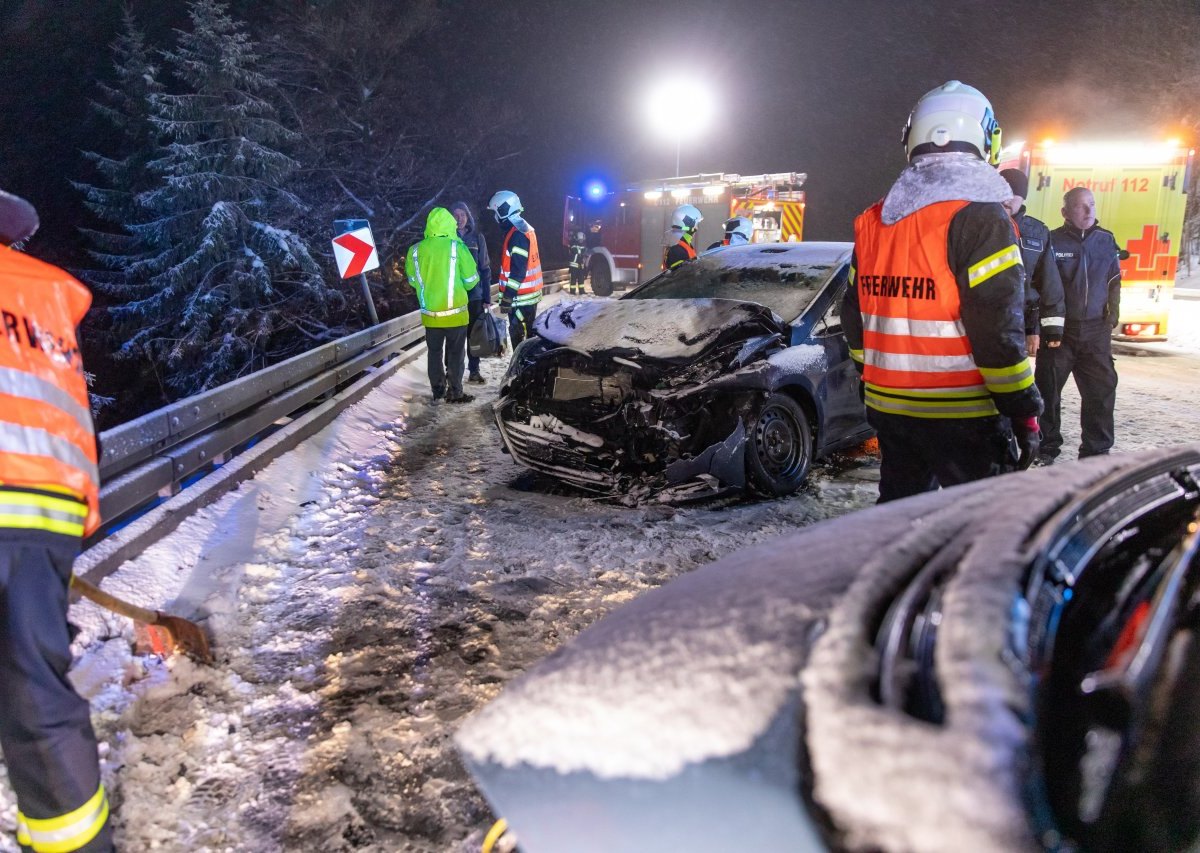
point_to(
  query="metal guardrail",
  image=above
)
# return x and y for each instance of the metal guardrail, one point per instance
(152, 457)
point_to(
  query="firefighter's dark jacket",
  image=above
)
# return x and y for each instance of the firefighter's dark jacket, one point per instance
(679, 253)
(1091, 275)
(1045, 305)
(992, 312)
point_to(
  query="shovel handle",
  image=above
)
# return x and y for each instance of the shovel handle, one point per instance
(109, 602)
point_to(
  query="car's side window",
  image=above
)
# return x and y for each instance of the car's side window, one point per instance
(831, 321)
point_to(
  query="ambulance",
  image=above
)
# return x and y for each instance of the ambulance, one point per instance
(627, 232)
(1141, 196)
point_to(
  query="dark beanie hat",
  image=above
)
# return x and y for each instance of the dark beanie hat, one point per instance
(1018, 180)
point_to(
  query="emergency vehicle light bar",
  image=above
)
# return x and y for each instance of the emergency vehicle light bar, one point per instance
(790, 180)
(1112, 153)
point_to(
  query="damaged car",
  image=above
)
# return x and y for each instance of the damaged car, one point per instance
(730, 372)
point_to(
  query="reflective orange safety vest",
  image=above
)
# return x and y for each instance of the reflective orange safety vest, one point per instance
(529, 289)
(917, 359)
(49, 472)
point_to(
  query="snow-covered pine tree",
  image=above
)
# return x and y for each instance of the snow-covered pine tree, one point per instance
(227, 288)
(126, 105)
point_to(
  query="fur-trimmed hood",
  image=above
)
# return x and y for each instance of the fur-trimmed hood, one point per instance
(931, 178)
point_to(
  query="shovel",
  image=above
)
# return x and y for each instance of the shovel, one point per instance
(166, 633)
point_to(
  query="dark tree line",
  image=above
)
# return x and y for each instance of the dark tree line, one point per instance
(228, 160)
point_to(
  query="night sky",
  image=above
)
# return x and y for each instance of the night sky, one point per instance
(816, 87)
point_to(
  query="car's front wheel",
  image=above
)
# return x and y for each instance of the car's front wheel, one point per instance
(779, 447)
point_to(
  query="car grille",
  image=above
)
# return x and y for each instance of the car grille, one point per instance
(548, 454)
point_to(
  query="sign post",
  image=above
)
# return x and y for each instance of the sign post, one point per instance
(354, 251)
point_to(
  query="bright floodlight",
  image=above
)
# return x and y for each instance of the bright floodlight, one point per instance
(678, 110)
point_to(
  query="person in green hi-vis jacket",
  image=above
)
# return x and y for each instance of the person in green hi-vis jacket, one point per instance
(443, 272)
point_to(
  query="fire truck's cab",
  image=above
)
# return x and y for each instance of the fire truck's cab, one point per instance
(1141, 196)
(627, 232)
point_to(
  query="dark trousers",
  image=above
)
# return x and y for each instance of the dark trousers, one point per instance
(474, 309)
(1089, 357)
(45, 726)
(920, 454)
(578, 274)
(520, 323)
(447, 356)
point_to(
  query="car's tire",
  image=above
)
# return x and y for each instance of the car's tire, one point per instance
(778, 447)
(602, 283)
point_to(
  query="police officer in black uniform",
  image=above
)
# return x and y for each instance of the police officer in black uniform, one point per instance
(1044, 301)
(1088, 263)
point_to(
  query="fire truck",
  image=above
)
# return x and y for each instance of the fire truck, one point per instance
(627, 232)
(1141, 196)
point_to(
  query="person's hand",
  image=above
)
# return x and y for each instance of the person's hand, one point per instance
(1054, 344)
(1031, 344)
(1029, 440)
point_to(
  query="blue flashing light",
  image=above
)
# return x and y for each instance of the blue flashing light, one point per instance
(594, 190)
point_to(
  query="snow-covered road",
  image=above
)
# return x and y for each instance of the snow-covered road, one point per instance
(370, 588)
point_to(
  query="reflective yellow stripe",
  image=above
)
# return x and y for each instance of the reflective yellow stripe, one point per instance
(27, 511)
(857, 355)
(989, 266)
(38, 522)
(932, 408)
(1005, 380)
(494, 834)
(519, 251)
(965, 392)
(65, 833)
(853, 277)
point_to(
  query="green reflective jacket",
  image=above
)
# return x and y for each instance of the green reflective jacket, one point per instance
(442, 270)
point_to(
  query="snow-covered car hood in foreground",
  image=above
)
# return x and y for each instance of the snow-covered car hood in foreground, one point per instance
(662, 329)
(712, 713)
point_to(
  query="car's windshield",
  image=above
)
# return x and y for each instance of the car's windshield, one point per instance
(785, 288)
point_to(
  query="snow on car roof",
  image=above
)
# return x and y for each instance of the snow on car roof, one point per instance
(781, 254)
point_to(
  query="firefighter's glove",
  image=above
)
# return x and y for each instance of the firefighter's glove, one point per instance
(505, 308)
(1029, 440)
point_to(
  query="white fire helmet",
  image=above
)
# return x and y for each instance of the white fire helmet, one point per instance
(953, 117)
(739, 227)
(686, 217)
(505, 204)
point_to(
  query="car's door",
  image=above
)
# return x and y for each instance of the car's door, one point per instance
(845, 415)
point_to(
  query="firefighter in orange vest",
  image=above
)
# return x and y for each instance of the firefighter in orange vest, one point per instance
(684, 222)
(933, 312)
(520, 267)
(49, 501)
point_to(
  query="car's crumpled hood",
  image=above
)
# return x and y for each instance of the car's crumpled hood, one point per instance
(673, 330)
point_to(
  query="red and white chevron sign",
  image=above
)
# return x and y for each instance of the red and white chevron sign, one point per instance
(355, 252)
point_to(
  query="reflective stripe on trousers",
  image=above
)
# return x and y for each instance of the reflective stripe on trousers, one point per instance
(67, 832)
